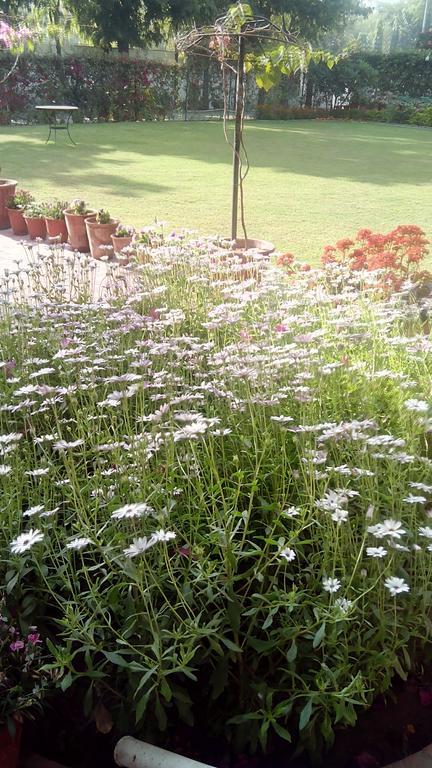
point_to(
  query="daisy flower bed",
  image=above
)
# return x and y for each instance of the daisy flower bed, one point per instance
(217, 492)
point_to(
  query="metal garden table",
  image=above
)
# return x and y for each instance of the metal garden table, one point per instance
(52, 110)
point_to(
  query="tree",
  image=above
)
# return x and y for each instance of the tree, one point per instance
(242, 42)
(134, 22)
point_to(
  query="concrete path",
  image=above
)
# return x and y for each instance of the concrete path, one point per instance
(12, 250)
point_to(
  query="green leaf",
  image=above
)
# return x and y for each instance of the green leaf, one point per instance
(292, 652)
(261, 645)
(239, 719)
(165, 690)
(269, 620)
(160, 715)
(66, 682)
(230, 645)
(399, 669)
(319, 635)
(305, 715)
(141, 706)
(281, 731)
(219, 677)
(116, 658)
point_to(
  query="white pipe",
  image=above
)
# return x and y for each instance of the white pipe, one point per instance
(131, 753)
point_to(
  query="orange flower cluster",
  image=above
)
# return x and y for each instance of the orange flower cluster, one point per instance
(397, 253)
(285, 260)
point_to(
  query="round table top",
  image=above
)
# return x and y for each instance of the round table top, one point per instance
(59, 107)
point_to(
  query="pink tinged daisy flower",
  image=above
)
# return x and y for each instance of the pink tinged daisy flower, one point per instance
(26, 541)
(396, 586)
(17, 645)
(34, 638)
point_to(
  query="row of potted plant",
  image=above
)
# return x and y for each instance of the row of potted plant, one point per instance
(84, 228)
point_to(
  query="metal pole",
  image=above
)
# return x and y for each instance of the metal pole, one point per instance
(237, 137)
(425, 16)
(131, 753)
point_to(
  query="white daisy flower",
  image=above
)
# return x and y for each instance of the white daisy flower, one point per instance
(340, 515)
(78, 543)
(63, 445)
(389, 527)
(419, 406)
(25, 541)
(396, 586)
(5, 469)
(411, 499)
(137, 509)
(162, 535)
(291, 512)
(343, 604)
(376, 551)
(421, 487)
(138, 546)
(288, 554)
(36, 510)
(37, 472)
(331, 585)
(425, 531)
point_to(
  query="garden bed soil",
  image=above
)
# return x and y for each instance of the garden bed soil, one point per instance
(397, 725)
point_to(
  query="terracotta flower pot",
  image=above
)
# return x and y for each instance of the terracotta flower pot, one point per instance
(77, 232)
(7, 190)
(57, 228)
(17, 221)
(10, 746)
(99, 236)
(36, 228)
(120, 242)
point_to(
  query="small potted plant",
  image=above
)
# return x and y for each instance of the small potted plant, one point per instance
(15, 206)
(122, 237)
(75, 216)
(100, 227)
(7, 190)
(34, 218)
(55, 220)
(23, 684)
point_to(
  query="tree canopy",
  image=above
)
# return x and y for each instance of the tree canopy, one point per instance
(133, 22)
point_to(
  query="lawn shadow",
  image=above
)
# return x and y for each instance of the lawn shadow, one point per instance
(378, 154)
(384, 155)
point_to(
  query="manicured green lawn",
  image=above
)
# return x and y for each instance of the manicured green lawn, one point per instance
(310, 182)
